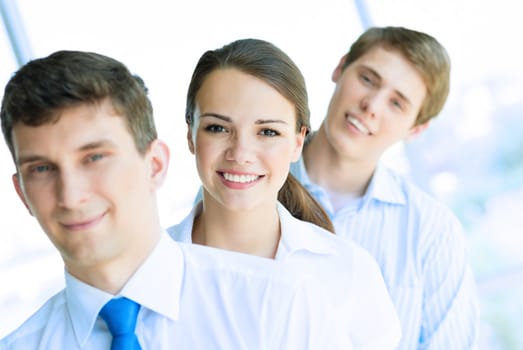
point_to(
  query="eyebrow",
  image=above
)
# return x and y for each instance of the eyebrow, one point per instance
(31, 158)
(229, 120)
(403, 97)
(378, 76)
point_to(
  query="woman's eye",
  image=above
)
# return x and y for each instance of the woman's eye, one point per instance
(269, 132)
(214, 128)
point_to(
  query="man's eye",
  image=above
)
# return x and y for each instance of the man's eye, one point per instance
(397, 104)
(40, 168)
(366, 79)
(38, 171)
(95, 157)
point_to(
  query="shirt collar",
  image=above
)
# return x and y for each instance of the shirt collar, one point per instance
(84, 302)
(161, 274)
(382, 187)
(299, 235)
(182, 232)
(295, 234)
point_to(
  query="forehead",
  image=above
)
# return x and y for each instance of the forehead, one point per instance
(381, 58)
(72, 128)
(235, 93)
(394, 70)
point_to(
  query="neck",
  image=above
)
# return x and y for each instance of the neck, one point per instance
(334, 171)
(111, 272)
(255, 231)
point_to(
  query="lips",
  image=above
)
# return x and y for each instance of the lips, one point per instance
(358, 124)
(82, 224)
(240, 178)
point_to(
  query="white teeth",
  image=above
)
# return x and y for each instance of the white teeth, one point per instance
(358, 125)
(239, 178)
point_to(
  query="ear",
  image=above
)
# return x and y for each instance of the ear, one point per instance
(338, 70)
(20, 192)
(159, 156)
(300, 138)
(418, 129)
(190, 142)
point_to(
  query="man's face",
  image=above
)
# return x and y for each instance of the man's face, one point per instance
(89, 188)
(375, 104)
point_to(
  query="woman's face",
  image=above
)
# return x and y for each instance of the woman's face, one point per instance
(244, 138)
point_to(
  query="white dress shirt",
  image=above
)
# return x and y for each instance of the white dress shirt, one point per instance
(191, 297)
(421, 249)
(348, 282)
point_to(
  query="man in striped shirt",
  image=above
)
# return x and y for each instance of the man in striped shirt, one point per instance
(389, 86)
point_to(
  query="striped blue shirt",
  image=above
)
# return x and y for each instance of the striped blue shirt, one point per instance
(421, 249)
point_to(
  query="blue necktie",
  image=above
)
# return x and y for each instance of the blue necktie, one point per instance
(120, 316)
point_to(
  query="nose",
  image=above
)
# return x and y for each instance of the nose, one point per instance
(241, 149)
(71, 189)
(369, 104)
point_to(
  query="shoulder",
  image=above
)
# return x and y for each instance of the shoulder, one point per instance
(428, 218)
(327, 238)
(343, 254)
(421, 205)
(415, 196)
(30, 332)
(351, 280)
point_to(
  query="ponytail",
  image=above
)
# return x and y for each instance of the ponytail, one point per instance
(302, 205)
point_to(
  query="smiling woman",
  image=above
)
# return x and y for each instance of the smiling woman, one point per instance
(247, 117)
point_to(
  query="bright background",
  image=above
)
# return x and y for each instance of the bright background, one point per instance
(471, 157)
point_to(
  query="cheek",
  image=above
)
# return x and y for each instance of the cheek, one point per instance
(279, 166)
(127, 178)
(39, 199)
(206, 154)
(397, 128)
(335, 102)
(277, 148)
(128, 195)
(347, 88)
(205, 143)
(280, 153)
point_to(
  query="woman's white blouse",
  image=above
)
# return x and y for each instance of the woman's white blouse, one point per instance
(344, 282)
